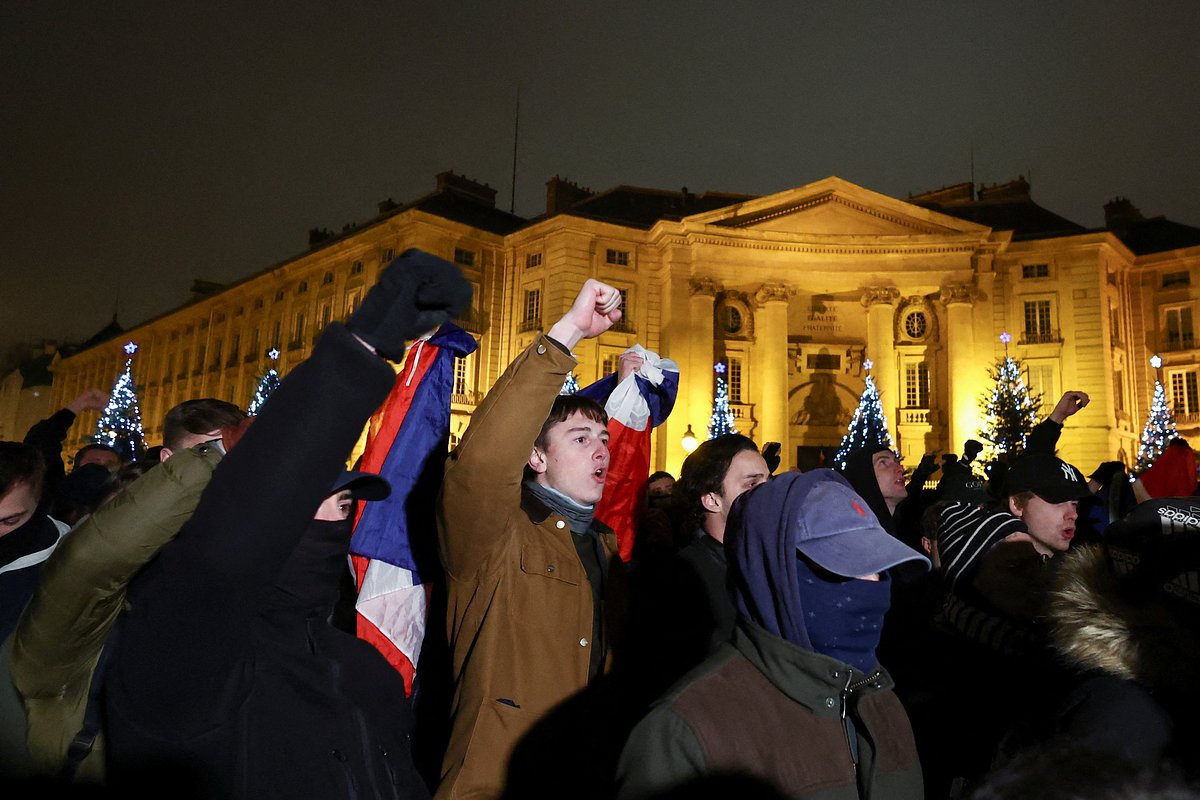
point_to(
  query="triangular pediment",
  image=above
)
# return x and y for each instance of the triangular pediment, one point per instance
(834, 207)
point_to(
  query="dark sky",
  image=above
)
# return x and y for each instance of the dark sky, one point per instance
(143, 144)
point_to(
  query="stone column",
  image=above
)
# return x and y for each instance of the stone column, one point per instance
(698, 372)
(880, 302)
(960, 363)
(771, 370)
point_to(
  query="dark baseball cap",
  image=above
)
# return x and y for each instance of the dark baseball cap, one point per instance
(1047, 476)
(826, 522)
(362, 485)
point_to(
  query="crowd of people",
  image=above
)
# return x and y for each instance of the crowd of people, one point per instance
(175, 624)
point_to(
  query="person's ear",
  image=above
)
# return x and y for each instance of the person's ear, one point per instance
(164, 454)
(1014, 508)
(537, 461)
(711, 502)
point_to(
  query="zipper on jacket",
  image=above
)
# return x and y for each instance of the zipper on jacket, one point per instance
(847, 690)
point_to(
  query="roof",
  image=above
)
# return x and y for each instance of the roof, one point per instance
(1001, 207)
(639, 207)
(1156, 235)
(451, 205)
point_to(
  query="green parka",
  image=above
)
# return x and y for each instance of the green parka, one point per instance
(53, 652)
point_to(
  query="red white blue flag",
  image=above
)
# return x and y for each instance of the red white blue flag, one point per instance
(394, 547)
(635, 405)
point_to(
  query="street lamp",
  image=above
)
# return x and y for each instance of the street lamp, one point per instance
(689, 441)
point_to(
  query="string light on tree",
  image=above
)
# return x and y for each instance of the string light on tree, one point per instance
(869, 426)
(570, 385)
(1160, 426)
(721, 420)
(120, 424)
(268, 382)
(1009, 409)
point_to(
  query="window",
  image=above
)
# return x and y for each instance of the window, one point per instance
(297, 327)
(618, 257)
(279, 296)
(302, 287)
(916, 384)
(533, 260)
(216, 359)
(387, 255)
(200, 353)
(1179, 327)
(916, 325)
(1184, 396)
(324, 316)
(1170, 279)
(356, 268)
(235, 347)
(328, 279)
(731, 319)
(1118, 390)
(276, 333)
(625, 323)
(1038, 324)
(533, 309)
(353, 301)
(258, 302)
(612, 363)
(460, 376)
(464, 257)
(1035, 270)
(1042, 378)
(735, 380)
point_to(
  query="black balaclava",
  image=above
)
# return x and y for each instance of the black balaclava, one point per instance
(308, 582)
(844, 616)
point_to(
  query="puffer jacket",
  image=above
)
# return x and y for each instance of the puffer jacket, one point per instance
(64, 629)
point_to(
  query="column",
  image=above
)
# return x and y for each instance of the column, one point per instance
(880, 302)
(698, 371)
(770, 370)
(960, 363)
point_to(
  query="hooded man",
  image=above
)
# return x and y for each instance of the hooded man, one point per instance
(228, 679)
(798, 698)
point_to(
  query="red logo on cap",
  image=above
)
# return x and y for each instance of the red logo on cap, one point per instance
(858, 508)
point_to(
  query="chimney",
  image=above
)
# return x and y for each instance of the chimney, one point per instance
(561, 194)
(387, 205)
(1120, 214)
(465, 187)
(1013, 190)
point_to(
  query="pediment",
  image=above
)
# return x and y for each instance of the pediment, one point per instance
(834, 207)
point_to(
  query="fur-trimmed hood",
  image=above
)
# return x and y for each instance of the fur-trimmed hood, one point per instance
(1104, 620)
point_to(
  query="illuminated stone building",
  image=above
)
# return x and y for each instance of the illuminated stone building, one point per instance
(793, 291)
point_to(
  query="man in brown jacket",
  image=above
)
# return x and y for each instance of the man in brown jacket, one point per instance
(527, 566)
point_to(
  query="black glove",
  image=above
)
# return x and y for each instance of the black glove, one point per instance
(415, 294)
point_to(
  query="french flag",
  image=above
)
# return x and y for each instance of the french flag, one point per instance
(393, 551)
(635, 405)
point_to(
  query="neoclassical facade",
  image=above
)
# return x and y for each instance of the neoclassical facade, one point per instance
(795, 292)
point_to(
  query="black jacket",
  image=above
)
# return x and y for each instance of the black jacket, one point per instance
(228, 680)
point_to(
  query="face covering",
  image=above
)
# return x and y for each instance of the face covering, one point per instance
(308, 581)
(844, 617)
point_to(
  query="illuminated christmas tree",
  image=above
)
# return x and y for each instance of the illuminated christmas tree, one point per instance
(120, 424)
(268, 383)
(869, 425)
(1009, 410)
(721, 420)
(570, 385)
(1160, 426)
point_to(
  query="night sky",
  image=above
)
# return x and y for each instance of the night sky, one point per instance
(144, 144)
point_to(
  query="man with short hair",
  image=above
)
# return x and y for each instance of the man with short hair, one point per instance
(27, 534)
(194, 422)
(97, 453)
(685, 609)
(529, 569)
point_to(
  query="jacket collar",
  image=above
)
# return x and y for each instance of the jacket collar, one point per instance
(810, 679)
